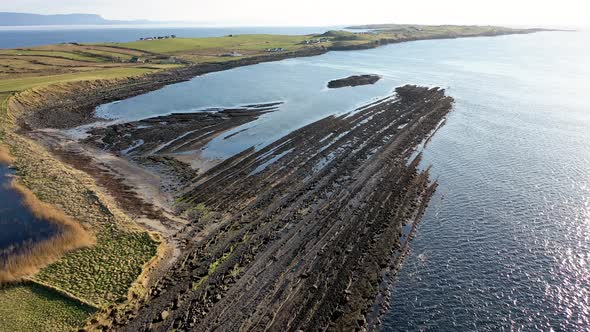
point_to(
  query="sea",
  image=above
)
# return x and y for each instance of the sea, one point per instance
(505, 242)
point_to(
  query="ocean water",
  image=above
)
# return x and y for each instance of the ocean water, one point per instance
(505, 242)
(26, 36)
(17, 224)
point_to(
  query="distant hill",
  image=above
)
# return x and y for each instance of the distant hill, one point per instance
(13, 19)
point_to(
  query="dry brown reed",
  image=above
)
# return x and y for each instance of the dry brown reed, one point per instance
(5, 156)
(31, 259)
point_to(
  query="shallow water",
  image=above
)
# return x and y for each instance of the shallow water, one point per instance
(505, 243)
(17, 224)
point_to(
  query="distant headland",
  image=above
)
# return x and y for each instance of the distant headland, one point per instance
(23, 19)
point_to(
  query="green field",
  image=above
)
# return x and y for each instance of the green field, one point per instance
(20, 84)
(31, 307)
(221, 44)
(61, 54)
(103, 273)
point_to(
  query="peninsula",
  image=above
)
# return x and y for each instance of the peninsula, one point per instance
(297, 235)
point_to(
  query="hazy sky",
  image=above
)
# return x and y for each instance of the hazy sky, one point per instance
(322, 12)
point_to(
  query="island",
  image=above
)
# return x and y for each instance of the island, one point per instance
(297, 235)
(354, 80)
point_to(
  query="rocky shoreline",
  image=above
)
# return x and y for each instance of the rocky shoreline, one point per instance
(300, 230)
(175, 133)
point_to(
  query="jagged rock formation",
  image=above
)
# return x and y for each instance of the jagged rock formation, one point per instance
(296, 234)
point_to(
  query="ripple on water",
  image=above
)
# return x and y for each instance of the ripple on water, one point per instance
(508, 246)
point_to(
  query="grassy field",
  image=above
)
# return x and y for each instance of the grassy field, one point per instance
(219, 44)
(103, 273)
(35, 308)
(51, 53)
(3, 112)
(20, 84)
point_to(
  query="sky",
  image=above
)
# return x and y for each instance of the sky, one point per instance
(322, 12)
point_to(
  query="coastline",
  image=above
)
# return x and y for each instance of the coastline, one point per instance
(75, 104)
(81, 99)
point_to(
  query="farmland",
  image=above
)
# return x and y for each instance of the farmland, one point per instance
(35, 308)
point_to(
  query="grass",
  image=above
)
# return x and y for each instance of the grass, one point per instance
(60, 54)
(218, 44)
(108, 55)
(31, 307)
(20, 84)
(4, 97)
(103, 273)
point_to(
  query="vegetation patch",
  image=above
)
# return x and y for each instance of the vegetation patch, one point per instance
(20, 84)
(220, 44)
(30, 307)
(103, 273)
(51, 53)
(4, 97)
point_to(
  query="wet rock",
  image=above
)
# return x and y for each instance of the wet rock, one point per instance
(361, 321)
(355, 80)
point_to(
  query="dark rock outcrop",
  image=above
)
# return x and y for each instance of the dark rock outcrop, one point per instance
(355, 80)
(305, 225)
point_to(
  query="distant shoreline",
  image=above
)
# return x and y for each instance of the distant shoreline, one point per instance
(83, 105)
(23, 19)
